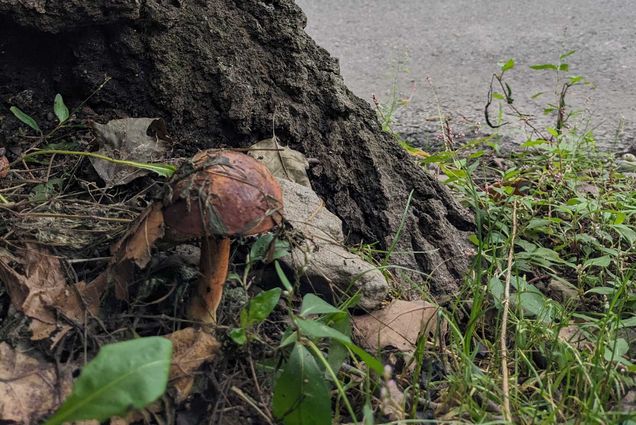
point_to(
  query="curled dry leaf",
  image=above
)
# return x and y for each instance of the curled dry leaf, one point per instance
(398, 325)
(133, 139)
(191, 348)
(41, 292)
(30, 388)
(134, 250)
(282, 162)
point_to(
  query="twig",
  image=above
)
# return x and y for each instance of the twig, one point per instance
(77, 217)
(504, 321)
(252, 403)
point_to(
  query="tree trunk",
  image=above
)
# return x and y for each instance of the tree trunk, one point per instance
(227, 73)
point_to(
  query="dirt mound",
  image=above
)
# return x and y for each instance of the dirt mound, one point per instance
(227, 73)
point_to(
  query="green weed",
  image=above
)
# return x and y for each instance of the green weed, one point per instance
(555, 224)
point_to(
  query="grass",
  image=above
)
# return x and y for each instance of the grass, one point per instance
(555, 229)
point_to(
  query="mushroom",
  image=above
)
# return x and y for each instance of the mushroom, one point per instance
(223, 195)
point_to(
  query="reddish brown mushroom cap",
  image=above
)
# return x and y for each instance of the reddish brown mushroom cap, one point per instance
(227, 194)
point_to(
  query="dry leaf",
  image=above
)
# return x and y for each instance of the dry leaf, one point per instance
(41, 293)
(4, 164)
(391, 397)
(191, 348)
(574, 336)
(133, 139)
(34, 292)
(282, 162)
(397, 325)
(137, 244)
(134, 249)
(29, 387)
(588, 189)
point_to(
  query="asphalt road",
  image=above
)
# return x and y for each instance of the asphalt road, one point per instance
(451, 48)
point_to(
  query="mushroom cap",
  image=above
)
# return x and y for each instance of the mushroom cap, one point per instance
(227, 193)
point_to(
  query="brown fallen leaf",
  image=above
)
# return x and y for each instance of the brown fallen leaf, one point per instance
(134, 249)
(136, 139)
(30, 388)
(574, 336)
(191, 348)
(41, 292)
(562, 291)
(397, 325)
(4, 164)
(281, 161)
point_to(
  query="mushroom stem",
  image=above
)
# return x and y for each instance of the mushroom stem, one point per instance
(213, 266)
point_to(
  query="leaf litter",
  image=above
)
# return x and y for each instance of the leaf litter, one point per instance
(398, 325)
(30, 387)
(73, 309)
(41, 293)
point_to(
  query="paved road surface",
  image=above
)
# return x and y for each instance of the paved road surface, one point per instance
(457, 43)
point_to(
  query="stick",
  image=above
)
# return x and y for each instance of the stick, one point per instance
(505, 385)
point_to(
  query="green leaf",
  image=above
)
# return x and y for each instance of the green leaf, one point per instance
(44, 191)
(124, 375)
(535, 304)
(314, 329)
(537, 95)
(619, 218)
(508, 65)
(283, 277)
(564, 67)
(60, 109)
(238, 336)
(615, 350)
(337, 353)
(367, 411)
(575, 79)
(540, 224)
(288, 338)
(603, 261)
(567, 54)
(602, 290)
(496, 288)
(26, 119)
(544, 66)
(628, 323)
(313, 304)
(534, 142)
(268, 248)
(301, 394)
(528, 297)
(553, 132)
(626, 232)
(259, 307)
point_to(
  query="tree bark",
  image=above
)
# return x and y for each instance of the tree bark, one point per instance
(227, 73)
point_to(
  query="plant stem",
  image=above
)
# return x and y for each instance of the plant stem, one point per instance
(504, 321)
(165, 170)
